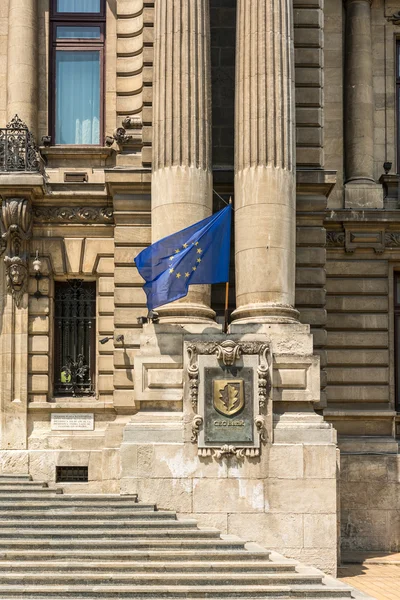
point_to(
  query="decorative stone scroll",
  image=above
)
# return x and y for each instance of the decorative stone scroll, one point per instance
(229, 384)
(16, 231)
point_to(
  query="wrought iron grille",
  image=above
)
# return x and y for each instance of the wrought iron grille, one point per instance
(75, 327)
(18, 150)
(72, 474)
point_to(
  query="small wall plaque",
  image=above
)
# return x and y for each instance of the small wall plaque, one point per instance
(72, 422)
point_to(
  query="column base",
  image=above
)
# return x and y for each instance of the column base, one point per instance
(362, 194)
(265, 313)
(186, 312)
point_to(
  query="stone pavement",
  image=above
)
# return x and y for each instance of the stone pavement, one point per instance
(376, 575)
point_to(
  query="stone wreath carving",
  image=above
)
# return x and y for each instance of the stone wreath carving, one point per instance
(68, 214)
(16, 231)
(228, 352)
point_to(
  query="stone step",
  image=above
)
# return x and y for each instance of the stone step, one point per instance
(149, 566)
(40, 498)
(30, 536)
(55, 503)
(99, 544)
(28, 486)
(110, 592)
(176, 555)
(161, 579)
(83, 513)
(97, 523)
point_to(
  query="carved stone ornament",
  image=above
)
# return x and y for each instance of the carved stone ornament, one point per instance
(16, 231)
(395, 18)
(392, 239)
(71, 214)
(335, 239)
(228, 353)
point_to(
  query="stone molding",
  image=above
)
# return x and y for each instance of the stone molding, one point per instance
(350, 240)
(68, 214)
(16, 230)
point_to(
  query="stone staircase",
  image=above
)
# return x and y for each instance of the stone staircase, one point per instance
(108, 546)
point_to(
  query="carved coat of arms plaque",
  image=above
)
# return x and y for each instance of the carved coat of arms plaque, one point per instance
(229, 385)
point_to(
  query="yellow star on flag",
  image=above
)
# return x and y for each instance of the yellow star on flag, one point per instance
(171, 258)
(185, 245)
(171, 270)
(199, 260)
(187, 275)
(177, 251)
(178, 275)
(194, 268)
(199, 251)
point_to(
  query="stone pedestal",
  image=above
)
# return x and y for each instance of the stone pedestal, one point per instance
(283, 497)
(265, 163)
(22, 67)
(182, 176)
(361, 191)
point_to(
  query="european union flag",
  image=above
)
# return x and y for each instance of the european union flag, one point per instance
(198, 254)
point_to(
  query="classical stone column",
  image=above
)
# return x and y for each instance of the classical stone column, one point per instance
(361, 190)
(182, 175)
(22, 65)
(265, 163)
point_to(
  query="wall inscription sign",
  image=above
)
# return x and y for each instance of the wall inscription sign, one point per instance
(72, 421)
(229, 384)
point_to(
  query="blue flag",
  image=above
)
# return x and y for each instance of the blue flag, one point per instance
(198, 254)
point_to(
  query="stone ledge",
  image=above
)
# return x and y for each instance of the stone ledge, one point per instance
(73, 406)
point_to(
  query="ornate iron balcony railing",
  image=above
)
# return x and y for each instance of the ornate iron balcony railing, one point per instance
(18, 149)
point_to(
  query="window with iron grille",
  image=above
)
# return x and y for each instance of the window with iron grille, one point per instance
(74, 338)
(72, 474)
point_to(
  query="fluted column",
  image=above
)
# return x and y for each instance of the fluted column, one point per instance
(361, 191)
(182, 175)
(22, 62)
(265, 162)
(359, 93)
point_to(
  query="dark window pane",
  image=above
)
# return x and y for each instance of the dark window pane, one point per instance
(74, 348)
(77, 97)
(73, 32)
(78, 6)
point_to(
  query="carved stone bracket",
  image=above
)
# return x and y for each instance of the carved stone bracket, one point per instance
(16, 231)
(395, 18)
(129, 134)
(228, 353)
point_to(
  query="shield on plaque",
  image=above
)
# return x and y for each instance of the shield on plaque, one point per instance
(228, 396)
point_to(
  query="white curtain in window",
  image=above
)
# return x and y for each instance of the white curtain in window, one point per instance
(78, 6)
(77, 97)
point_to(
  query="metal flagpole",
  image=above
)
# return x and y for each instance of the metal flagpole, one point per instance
(227, 296)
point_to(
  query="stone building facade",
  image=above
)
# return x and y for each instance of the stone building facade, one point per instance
(290, 108)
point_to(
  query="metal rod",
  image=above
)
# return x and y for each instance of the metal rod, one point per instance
(227, 296)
